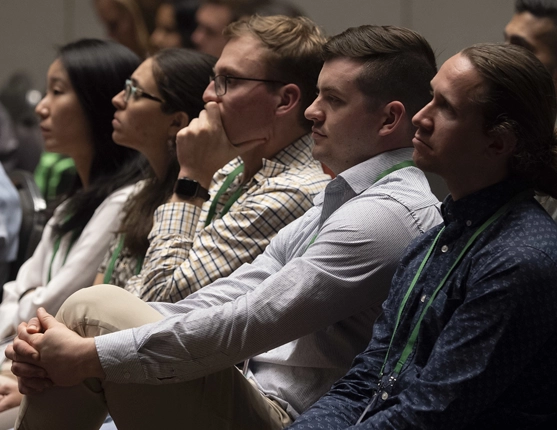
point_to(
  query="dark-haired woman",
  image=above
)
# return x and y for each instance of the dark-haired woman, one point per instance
(174, 24)
(160, 98)
(76, 120)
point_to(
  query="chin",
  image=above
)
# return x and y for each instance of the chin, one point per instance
(50, 146)
(120, 142)
(420, 162)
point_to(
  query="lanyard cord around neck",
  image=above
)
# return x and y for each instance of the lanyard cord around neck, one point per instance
(74, 237)
(235, 196)
(414, 335)
(115, 254)
(399, 166)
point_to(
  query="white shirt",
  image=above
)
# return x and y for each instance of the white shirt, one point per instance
(71, 269)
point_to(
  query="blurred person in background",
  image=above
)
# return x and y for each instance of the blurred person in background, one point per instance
(129, 22)
(534, 27)
(213, 16)
(10, 220)
(24, 143)
(174, 24)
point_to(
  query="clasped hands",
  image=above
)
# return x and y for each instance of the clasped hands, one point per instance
(46, 353)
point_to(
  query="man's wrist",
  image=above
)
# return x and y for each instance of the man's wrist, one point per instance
(197, 201)
(92, 362)
(203, 179)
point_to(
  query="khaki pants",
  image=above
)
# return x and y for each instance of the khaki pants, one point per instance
(7, 418)
(225, 400)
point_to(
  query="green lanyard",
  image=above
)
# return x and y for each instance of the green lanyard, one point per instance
(229, 179)
(115, 254)
(75, 235)
(401, 165)
(414, 335)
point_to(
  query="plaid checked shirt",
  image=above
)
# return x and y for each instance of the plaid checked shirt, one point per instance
(184, 255)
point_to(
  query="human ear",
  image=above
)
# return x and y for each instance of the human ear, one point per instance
(392, 117)
(503, 142)
(288, 99)
(179, 120)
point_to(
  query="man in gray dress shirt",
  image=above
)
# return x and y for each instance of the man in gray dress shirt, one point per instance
(296, 316)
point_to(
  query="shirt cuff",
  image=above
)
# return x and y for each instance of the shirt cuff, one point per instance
(120, 363)
(177, 218)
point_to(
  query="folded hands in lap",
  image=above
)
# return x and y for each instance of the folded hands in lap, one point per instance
(45, 353)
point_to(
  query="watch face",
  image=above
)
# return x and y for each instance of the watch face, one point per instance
(186, 187)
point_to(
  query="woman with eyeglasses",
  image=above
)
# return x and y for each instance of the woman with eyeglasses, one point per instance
(76, 120)
(161, 96)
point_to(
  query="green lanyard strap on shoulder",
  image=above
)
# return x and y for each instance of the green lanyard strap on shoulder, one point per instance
(235, 196)
(115, 254)
(414, 335)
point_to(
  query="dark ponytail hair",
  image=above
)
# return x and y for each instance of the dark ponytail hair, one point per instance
(519, 98)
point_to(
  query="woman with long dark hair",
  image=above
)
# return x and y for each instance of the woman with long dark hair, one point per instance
(76, 120)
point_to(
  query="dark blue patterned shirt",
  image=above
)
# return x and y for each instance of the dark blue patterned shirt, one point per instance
(487, 346)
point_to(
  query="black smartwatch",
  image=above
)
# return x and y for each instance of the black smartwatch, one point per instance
(189, 189)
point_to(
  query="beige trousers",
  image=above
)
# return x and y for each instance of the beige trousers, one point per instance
(7, 418)
(225, 400)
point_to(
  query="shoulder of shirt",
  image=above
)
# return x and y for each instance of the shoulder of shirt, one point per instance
(303, 180)
(124, 191)
(409, 183)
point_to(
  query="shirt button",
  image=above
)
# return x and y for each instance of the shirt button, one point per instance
(422, 299)
(468, 223)
(127, 375)
(444, 248)
(384, 395)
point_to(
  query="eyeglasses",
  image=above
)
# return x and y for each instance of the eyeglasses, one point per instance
(221, 82)
(131, 90)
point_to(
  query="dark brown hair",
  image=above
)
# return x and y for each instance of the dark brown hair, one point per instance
(519, 98)
(398, 63)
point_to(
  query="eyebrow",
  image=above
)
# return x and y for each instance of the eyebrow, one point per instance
(226, 70)
(444, 99)
(56, 79)
(328, 89)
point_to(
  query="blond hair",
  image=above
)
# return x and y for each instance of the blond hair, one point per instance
(295, 51)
